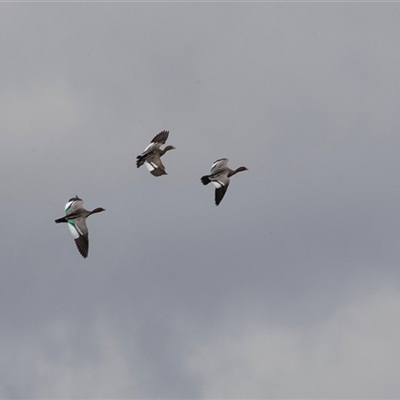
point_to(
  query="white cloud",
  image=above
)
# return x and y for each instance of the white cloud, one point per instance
(109, 378)
(354, 353)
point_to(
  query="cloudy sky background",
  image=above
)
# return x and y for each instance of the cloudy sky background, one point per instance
(289, 288)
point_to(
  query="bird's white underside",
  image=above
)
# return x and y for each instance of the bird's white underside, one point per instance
(74, 230)
(150, 166)
(217, 184)
(149, 147)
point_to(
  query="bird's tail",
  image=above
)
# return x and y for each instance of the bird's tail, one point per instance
(205, 179)
(63, 219)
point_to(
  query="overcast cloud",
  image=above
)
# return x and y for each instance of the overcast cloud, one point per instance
(289, 288)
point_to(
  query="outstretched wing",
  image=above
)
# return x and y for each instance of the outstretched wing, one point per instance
(79, 231)
(221, 183)
(73, 204)
(155, 144)
(160, 137)
(220, 193)
(219, 165)
(155, 165)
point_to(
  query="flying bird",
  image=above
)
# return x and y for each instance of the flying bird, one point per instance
(75, 216)
(219, 177)
(151, 156)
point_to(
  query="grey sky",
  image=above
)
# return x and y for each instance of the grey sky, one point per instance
(289, 288)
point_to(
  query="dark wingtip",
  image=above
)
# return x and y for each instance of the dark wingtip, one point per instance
(205, 180)
(82, 244)
(139, 161)
(219, 194)
(158, 172)
(161, 137)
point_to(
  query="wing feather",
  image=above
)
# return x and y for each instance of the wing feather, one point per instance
(82, 243)
(220, 193)
(161, 137)
(155, 165)
(155, 144)
(219, 164)
(80, 234)
(73, 204)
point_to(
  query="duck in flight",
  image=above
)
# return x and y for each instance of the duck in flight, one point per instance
(75, 216)
(151, 156)
(219, 177)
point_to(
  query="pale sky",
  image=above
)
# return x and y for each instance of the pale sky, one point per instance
(290, 288)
